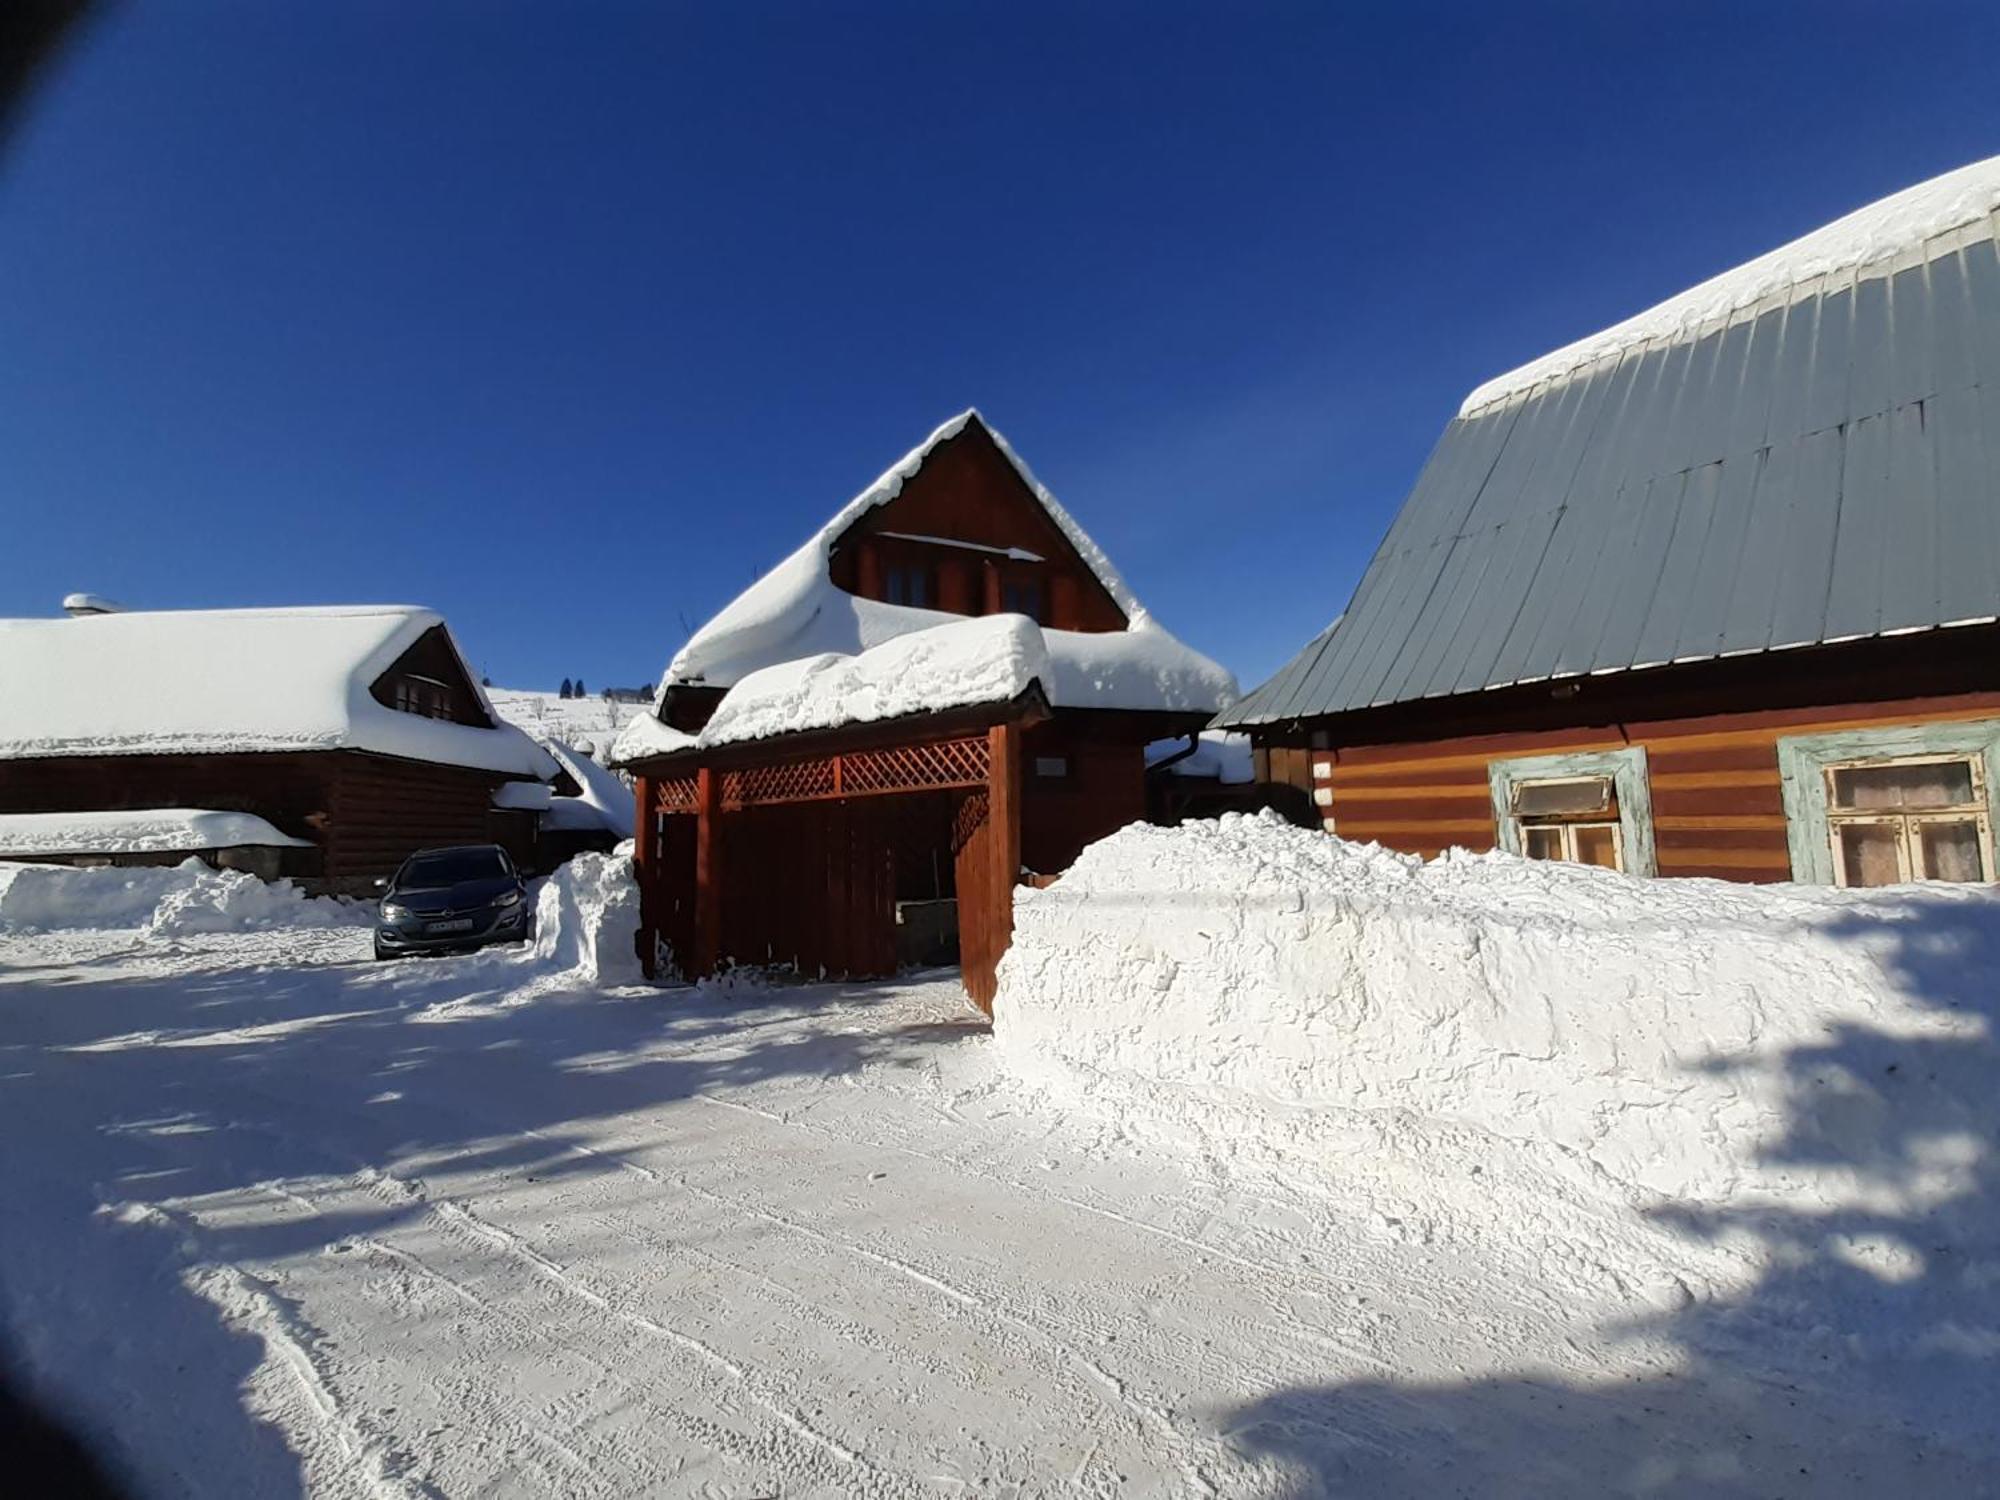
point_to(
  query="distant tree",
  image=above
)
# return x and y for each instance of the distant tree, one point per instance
(567, 690)
(486, 682)
(579, 689)
(647, 692)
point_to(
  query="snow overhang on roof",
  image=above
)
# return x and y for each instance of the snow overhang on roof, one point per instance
(152, 830)
(795, 611)
(1789, 455)
(159, 682)
(1871, 239)
(959, 663)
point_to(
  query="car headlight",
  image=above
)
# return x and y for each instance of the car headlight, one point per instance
(508, 898)
(391, 912)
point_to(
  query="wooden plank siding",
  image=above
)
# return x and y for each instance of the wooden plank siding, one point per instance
(386, 809)
(366, 813)
(1718, 809)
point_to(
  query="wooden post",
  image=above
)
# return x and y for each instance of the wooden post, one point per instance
(646, 869)
(707, 873)
(1003, 813)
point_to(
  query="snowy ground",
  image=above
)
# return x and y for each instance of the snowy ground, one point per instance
(282, 1221)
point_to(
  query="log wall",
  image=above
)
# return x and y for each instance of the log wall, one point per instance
(1717, 805)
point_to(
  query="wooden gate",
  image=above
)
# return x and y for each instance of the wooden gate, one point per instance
(794, 862)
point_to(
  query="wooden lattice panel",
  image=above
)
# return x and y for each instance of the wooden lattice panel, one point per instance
(674, 794)
(902, 768)
(793, 781)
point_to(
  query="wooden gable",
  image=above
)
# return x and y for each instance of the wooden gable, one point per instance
(430, 680)
(969, 493)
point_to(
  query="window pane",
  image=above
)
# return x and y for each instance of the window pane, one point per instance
(1542, 843)
(1557, 798)
(1022, 596)
(1597, 844)
(1942, 783)
(1950, 851)
(1869, 852)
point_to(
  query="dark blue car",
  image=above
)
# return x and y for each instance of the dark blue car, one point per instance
(443, 900)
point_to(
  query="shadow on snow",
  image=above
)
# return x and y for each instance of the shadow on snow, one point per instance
(318, 1071)
(1863, 1360)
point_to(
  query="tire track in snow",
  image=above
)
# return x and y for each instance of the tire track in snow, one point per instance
(1148, 1419)
(455, 1215)
(295, 1345)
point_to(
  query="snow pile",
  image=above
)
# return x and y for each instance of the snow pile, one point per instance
(160, 902)
(586, 918)
(988, 660)
(153, 830)
(222, 681)
(1651, 1029)
(1902, 223)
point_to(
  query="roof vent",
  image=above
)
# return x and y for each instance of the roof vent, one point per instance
(79, 605)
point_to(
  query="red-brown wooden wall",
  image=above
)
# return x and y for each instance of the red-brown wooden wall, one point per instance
(1717, 805)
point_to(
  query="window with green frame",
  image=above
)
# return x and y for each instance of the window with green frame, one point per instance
(1867, 807)
(1592, 807)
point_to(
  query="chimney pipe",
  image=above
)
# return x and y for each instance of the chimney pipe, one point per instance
(76, 606)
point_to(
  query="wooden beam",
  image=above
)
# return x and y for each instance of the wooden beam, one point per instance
(645, 866)
(1003, 802)
(708, 858)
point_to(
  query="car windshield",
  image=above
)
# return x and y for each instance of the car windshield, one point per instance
(451, 866)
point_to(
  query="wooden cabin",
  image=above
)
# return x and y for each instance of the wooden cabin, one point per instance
(324, 744)
(1712, 593)
(946, 690)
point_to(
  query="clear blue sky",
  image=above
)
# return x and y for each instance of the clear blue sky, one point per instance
(570, 319)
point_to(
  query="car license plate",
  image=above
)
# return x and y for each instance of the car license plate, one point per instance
(459, 924)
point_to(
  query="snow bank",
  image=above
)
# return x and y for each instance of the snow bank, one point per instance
(1903, 223)
(586, 917)
(160, 902)
(1666, 1033)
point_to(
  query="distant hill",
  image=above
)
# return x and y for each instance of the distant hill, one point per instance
(590, 724)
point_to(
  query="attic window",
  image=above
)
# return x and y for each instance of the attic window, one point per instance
(1025, 596)
(907, 583)
(424, 696)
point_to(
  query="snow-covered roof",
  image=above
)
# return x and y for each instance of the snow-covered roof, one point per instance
(797, 621)
(1218, 754)
(158, 682)
(796, 610)
(957, 663)
(604, 801)
(152, 830)
(1872, 237)
(992, 659)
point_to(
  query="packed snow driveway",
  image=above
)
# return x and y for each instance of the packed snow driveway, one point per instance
(281, 1221)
